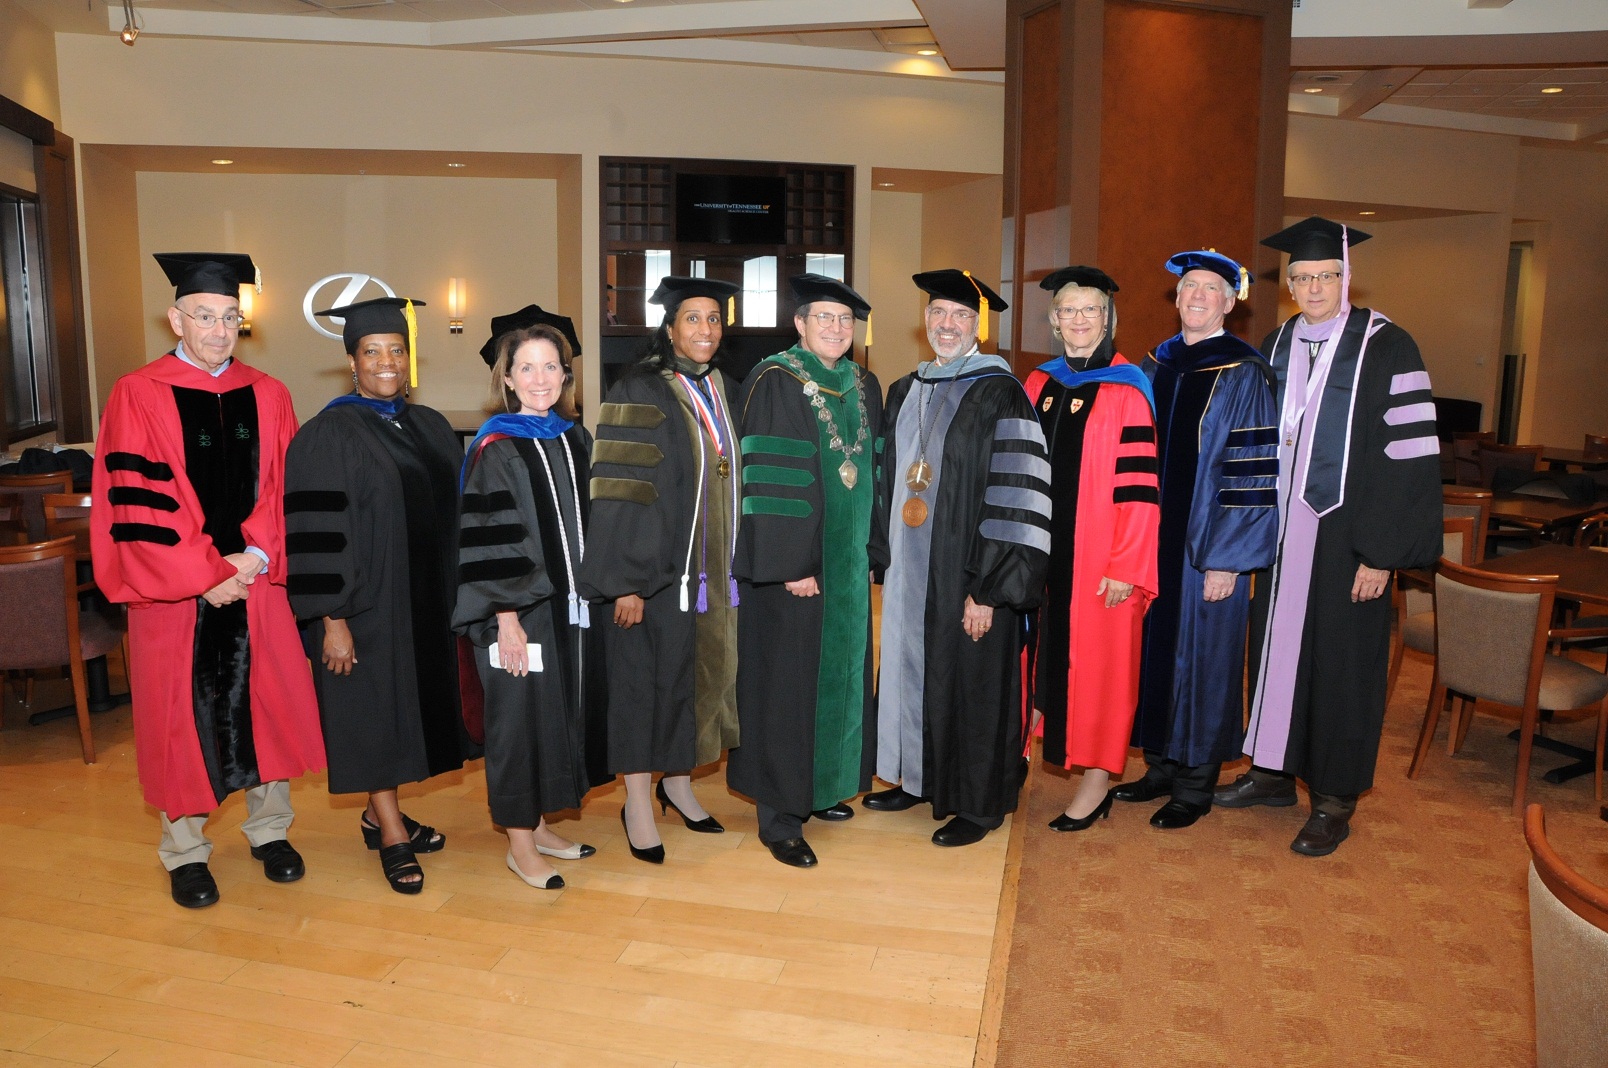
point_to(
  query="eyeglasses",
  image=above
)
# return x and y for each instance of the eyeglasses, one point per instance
(962, 316)
(826, 319)
(1092, 311)
(206, 320)
(1326, 277)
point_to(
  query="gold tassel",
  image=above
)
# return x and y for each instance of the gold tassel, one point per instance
(982, 308)
(867, 329)
(731, 309)
(413, 341)
(1244, 285)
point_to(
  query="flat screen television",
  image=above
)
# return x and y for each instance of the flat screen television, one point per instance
(731, 209)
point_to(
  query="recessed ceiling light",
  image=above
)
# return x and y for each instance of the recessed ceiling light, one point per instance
(1312, 90)
(1367, 213)
(884, 185)
(1553, 89)
(223, 162)
(926, 51)
(457, 164)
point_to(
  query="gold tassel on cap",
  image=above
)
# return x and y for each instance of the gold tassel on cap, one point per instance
(867, 329)
(413, 342)
(1244, 285)
(731, 309)
(982, 308)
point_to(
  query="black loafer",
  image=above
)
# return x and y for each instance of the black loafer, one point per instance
(1248, 790)
(894, 800)
(193, 886)
(1176, 814)
(793, 851)
(959, 831)
(1321, 835)
(280, 861)
(1145, 789)
(836, 814)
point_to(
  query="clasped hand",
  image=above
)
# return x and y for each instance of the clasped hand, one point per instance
(247, 567)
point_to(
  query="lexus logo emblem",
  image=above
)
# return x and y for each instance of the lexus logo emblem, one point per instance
(349, 294)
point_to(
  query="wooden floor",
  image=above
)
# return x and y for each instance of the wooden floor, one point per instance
(721, 957)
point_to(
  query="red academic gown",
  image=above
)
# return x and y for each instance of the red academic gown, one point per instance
(152, 551)
(1104, 522)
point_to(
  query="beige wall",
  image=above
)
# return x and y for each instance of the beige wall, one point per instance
(415, 233)
(897, 238)
(28, 62)
(1566, 192)
(114, 308)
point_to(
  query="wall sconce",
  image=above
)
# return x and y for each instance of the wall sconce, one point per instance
(457, 303)
(247, 304)
(131, 30)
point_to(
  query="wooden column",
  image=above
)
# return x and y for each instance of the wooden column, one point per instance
(58, 207)
(1135, 129)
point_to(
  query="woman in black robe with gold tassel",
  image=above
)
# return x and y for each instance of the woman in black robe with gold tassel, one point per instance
(373, 572)
(522, 540)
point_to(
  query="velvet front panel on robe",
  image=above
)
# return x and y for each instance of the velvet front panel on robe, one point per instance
(152, 551)
(800, 521)
(371, 512)
(1217, 427)
(1102, 449)
(1327, 731)
(949, 716)
(545, 732)
(656, 517)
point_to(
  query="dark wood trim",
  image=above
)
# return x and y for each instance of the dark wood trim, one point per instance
(36, 128)
(56, 174)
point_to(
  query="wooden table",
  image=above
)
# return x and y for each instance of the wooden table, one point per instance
(1561, 459)
(1550, 515)
(1582, 573)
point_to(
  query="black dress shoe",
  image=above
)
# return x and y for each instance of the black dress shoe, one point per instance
(653, 854)
(794, 851)
(1145, 789)
(1063, 822)
(1176, 814)
(707, 825)
(1321, 835)
(894, 800)
(836, 814)
(280, 861)
(959, 831)
(193, 886)
(1246, 791)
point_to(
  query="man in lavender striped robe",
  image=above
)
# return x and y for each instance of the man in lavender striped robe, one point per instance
(1359, 497)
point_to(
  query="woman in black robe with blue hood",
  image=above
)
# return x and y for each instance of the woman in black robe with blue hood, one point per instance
(372, 566)
(521, 542)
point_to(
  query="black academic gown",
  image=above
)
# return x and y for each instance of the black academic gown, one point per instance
(782, 639)
(1390, 518)
(950, 710)
(370, 511)
(647, 486)
(545, 732)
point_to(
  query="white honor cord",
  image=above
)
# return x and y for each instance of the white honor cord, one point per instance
(692, 535)
(579, 611)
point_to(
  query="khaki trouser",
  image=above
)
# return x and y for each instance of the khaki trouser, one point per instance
(268, 816)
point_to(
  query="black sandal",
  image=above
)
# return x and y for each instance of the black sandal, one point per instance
(422, 838)
(398, 862)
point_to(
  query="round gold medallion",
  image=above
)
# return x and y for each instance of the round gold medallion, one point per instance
(724, 467)
(919, 475)
(914, 512)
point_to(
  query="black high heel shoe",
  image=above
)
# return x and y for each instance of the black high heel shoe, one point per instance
(654, 855)
(1063, 822)
(707, 825)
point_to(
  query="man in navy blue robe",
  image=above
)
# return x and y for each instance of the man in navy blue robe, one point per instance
(1216, 451)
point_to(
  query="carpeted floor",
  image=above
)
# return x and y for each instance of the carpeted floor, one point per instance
(1218, 945)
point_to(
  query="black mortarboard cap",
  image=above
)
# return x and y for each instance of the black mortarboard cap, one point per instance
(1087, 277)
(1314, 238)
(1207, 259)
(808, 288)
(529, 315)
(382, 315)
(673, 289)
(207, 272)
(960, 287)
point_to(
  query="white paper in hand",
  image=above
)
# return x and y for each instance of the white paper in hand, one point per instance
(533, 656)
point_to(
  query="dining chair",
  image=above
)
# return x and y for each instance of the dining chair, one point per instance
(1493, 455)
(31, 489)
(1473, 502)
(67, 516)
(1568, 954)
(1466, 455)
(1415, 605)
(1491, 635)
(38, 583)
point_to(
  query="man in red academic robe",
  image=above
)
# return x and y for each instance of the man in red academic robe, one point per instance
(188, 529)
